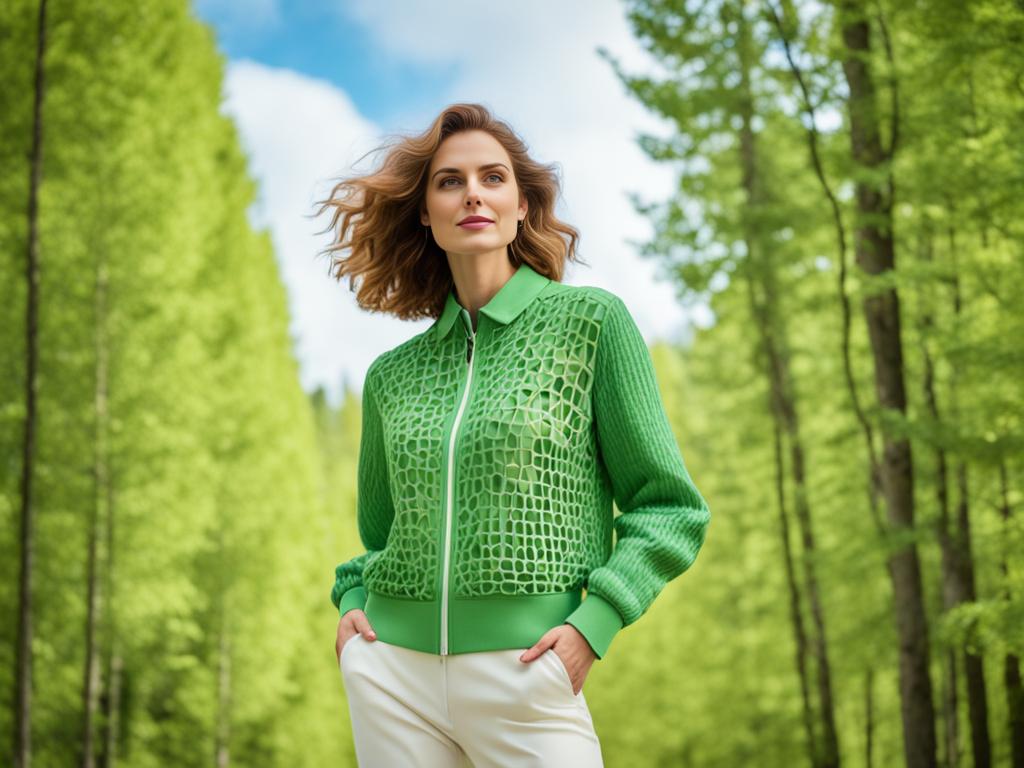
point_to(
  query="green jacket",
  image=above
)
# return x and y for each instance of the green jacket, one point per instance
(488, 464)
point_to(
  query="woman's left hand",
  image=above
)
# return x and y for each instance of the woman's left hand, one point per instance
(572, 648)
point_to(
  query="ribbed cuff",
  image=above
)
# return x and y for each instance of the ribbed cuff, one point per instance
(598, 621)
(353, 598)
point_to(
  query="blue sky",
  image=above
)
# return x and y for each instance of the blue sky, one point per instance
(321, 40)
(314, 84)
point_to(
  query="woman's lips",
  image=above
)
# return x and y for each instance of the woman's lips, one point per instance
(476, 224)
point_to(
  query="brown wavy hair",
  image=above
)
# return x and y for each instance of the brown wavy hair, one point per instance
(399, 266)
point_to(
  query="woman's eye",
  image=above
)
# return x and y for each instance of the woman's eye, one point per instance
(497, 176)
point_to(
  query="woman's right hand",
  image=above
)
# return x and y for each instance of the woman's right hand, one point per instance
(354, 622)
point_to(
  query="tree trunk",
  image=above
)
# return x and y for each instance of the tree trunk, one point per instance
(795, 612)
(869, 717)
(23, 653)
(112, 706)
(1011, 664)
(962, 581)
(114, 660)
(224, 699)
(91, 682)
(773, 343)
(876, 257)
(950, 588)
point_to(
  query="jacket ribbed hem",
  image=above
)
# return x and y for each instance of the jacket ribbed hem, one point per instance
(474, 623)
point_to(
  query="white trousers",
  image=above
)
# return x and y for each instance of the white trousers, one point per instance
(484, 709)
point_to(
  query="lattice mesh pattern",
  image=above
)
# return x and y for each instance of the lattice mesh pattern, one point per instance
(416, 397)
(528, 494)
(527, 456)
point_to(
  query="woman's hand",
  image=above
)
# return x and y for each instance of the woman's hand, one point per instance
(353, 623)
(572, 648)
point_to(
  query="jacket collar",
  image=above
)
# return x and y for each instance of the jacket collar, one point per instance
(511, 299)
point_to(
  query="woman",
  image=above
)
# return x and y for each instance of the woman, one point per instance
(492, 447)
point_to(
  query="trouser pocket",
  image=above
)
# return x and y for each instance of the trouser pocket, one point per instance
(556, 660)
(345, 646)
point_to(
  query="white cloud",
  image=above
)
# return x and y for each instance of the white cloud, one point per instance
(535, 66)
(299, 134)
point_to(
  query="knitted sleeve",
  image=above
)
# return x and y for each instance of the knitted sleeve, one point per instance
(374, 509)
(663, 518)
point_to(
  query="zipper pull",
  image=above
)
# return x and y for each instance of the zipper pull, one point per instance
(469, 350)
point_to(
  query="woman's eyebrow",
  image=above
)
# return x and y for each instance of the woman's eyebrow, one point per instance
(481, 168)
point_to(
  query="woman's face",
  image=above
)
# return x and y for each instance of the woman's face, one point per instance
(471, 175)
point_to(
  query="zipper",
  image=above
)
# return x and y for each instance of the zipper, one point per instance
(450, 490)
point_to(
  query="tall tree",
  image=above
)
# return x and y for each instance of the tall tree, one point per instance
(722, 103)
(875, 255)
(23, 692)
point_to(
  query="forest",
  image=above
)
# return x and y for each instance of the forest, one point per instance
(849, 208)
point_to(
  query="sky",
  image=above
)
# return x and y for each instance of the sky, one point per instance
(315, 84)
